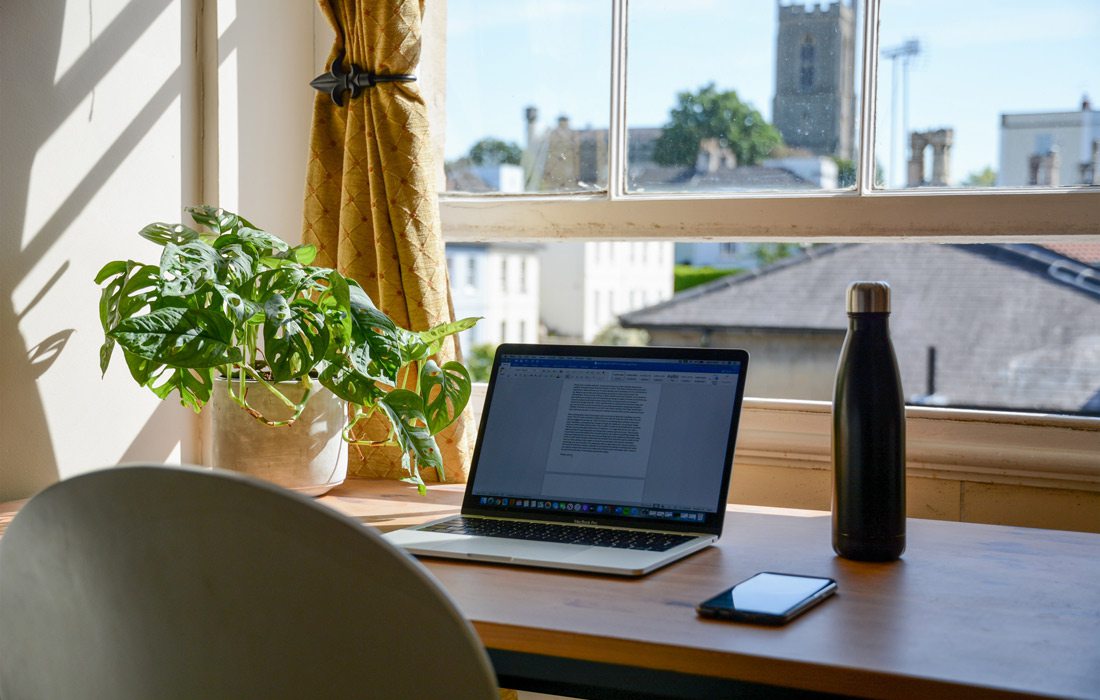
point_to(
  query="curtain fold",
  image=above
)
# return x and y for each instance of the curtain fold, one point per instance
(371, 206)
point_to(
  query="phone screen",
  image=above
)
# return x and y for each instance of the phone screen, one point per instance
(768, 597)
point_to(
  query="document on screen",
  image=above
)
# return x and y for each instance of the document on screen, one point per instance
(602, 434)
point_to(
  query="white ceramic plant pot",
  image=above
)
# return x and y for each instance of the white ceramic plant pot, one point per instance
(307, 456)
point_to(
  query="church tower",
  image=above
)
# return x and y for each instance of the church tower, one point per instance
(815, 106)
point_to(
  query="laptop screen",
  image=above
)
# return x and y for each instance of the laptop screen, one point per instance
(612, 435)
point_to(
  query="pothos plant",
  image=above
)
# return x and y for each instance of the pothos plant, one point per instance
(232, 300)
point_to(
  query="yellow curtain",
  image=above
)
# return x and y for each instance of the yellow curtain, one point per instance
(371, 206)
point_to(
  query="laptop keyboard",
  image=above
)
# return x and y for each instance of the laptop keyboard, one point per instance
(566, 534)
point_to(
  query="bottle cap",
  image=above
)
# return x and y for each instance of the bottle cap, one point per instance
(868, 298)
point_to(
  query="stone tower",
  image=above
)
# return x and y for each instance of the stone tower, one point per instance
(815, 105)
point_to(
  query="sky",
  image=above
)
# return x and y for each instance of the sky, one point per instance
(978, 60)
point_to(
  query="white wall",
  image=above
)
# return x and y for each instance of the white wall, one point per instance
(98, 106)
(562, 287)
(512, 287)
(265, 53)
(586, 286)
(102, 128)
(1071, 132)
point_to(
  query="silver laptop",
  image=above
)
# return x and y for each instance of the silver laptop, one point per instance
(606, 459)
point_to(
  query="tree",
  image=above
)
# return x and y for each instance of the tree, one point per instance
(986, 177)
(708, 113)
(479, 361)
(845, 172)
(768, 253)
(492, 151)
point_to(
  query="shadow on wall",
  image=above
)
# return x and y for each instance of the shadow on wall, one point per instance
(34, 31)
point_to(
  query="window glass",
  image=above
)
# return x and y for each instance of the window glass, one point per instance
(988, 93)
(528, 95)
(742, 96)
(993, 326)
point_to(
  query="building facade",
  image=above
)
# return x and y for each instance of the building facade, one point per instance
(500, 283)
(815, 107)
(1050, 148)
(586, 285)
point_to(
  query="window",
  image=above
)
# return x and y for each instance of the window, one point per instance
(523, 275)
(806, 68)
(471, 272)
(504, 274)
(905, 88)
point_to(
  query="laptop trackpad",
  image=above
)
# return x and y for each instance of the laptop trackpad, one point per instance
(499, 548)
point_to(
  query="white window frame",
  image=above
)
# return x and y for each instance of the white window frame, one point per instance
(1018, 448)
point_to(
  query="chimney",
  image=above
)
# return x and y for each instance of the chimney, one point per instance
(1043, 168)
(942, 140)
(918, 141)
(532, 115)
(713, 156)
(1091, 166)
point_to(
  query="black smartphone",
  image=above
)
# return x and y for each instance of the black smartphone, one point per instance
(768, 598)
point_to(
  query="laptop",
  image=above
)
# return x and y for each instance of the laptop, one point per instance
(613, 460)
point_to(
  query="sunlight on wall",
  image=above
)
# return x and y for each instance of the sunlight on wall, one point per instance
(94, 117)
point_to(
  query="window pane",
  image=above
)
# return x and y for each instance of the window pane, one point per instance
(742, 96)
(993, 326)
(988, 93)
(528, 95)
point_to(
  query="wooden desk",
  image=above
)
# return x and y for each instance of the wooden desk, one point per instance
(970, 611)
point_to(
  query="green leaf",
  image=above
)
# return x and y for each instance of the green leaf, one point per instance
(113, 268)
(335, 302)
(405, 410)
(417, 481)
(179, 337)
(193, 384)
(429, 342)
(295, 337)
(303, 254)
(269, 282)
(445, 391)
(237, 263)
(236, 307)
(131, 290)
(218, 220)
(265, 243)
(376, 338)
(342, 379)
(163, 234)
(186, 268)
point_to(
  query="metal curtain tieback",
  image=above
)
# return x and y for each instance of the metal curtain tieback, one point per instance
(336, 82)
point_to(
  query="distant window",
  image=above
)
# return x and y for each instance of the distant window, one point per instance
(471, 272)
(523, 275)
(504, 274)
(504, 331)
(806, 59)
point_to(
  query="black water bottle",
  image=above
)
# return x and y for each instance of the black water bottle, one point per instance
(868, 433)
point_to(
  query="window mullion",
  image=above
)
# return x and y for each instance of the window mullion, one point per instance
(616, 132)
(865, 171)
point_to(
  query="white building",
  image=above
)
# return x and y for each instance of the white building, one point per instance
(1050, 148)
(500, 283)
(586, 285)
